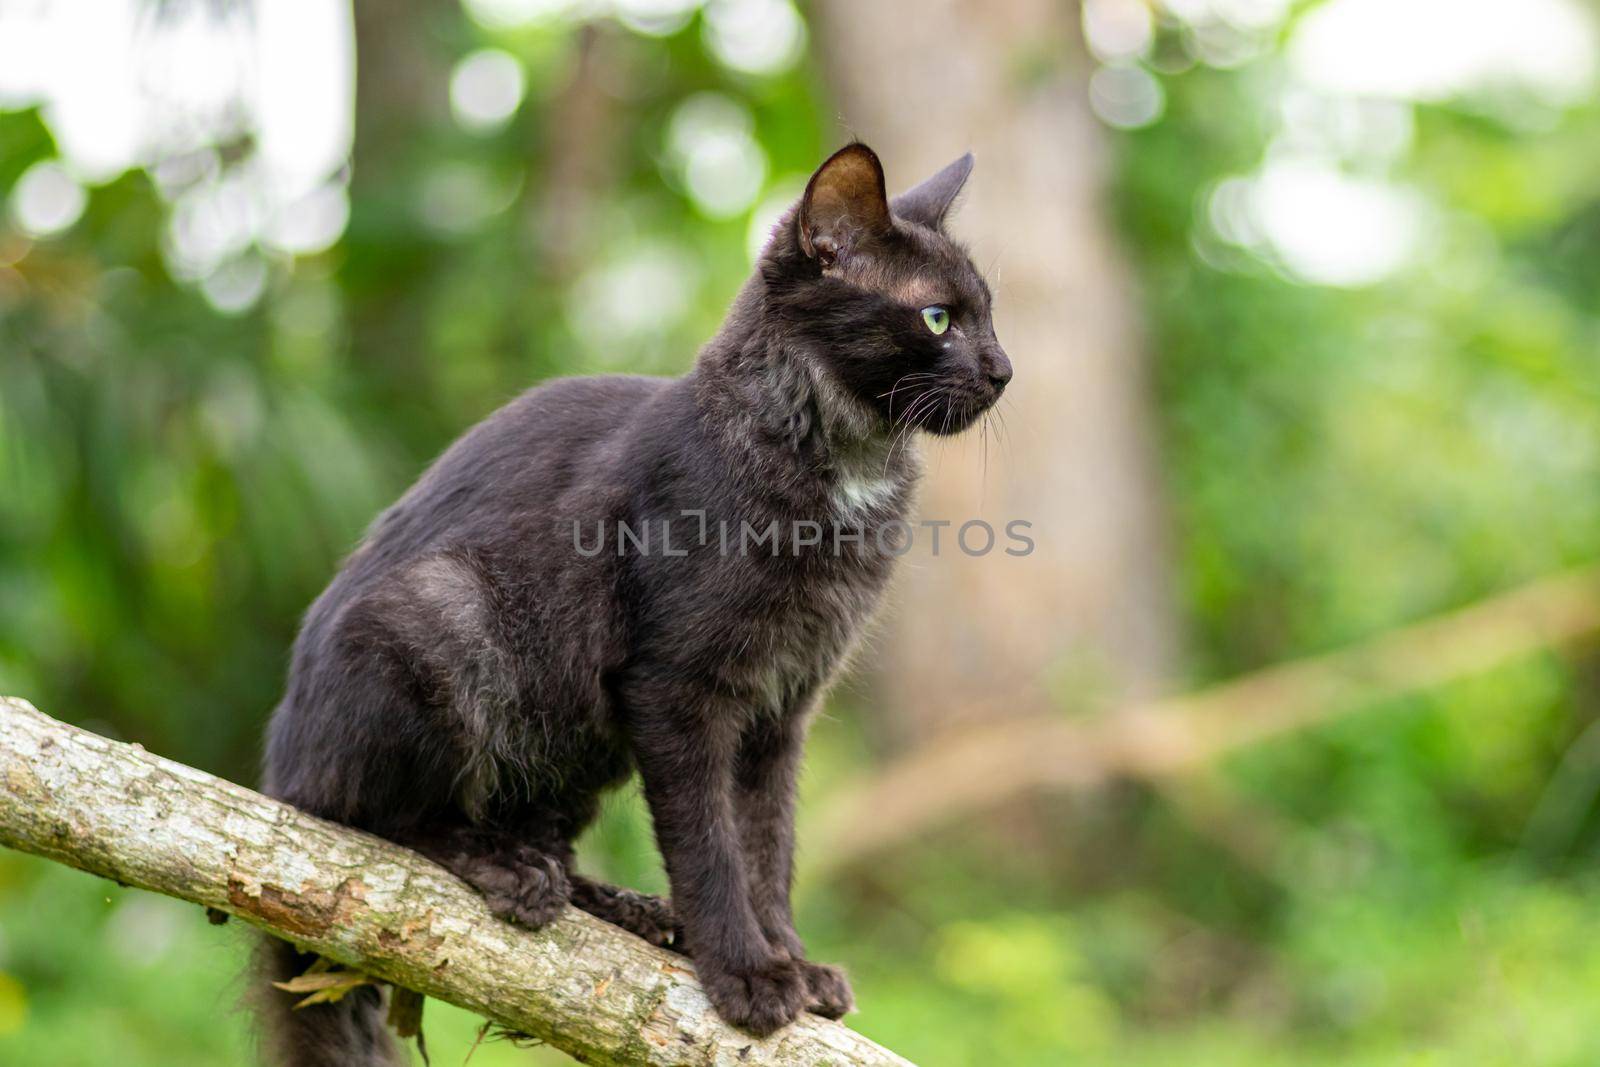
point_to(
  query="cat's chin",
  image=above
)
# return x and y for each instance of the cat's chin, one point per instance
(944, 414)
(960, 417)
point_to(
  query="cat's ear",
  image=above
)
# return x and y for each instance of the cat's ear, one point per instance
(844, 204)
(930, 202)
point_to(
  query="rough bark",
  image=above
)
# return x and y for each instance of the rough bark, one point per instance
(598, 994)
(1090, 610)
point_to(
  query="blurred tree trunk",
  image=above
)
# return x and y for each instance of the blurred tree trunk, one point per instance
(580, 154)
(402, 99)
(399, 263)
(1089, 615)
(401, 76)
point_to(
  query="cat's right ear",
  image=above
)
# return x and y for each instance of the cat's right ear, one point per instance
(930, 202)
(844, 204)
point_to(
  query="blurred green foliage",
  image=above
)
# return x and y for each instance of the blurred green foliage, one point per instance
(1409, 885)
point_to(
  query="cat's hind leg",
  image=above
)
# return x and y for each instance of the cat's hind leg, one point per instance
(529, 886)
(520, 883)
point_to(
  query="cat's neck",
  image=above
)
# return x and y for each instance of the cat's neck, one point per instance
(754, 384)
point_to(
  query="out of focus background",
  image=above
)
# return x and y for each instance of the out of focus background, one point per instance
(1283, 747)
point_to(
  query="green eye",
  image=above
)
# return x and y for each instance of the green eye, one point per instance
(937, 318)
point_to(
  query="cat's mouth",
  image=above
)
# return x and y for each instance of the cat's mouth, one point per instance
(947, 412)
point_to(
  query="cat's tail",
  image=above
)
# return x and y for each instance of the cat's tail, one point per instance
(347, 1033)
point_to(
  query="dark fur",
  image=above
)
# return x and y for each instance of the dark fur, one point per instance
(470, 684)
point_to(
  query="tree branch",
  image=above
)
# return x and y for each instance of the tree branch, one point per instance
(596, 993)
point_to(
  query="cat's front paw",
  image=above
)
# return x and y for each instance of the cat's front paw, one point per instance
(760, 1000)
(827, 990)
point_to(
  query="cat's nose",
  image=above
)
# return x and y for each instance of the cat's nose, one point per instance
(997, 368)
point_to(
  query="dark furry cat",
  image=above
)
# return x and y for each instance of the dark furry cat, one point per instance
(479, 672)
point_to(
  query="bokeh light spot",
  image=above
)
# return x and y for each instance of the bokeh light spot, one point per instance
(1126, 97)
(515, 14)
(311, 224)
(1117, 29)
(656, 18)
(47, 199)
(235, 286)
(711, 137)
(755, 36)
(486, 89)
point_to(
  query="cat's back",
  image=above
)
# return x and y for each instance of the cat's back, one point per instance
(498, 496)
(549, 444)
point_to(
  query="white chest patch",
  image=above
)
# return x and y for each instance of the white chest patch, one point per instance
(854, 495)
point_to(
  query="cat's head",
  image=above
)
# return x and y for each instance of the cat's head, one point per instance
(883, 300)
